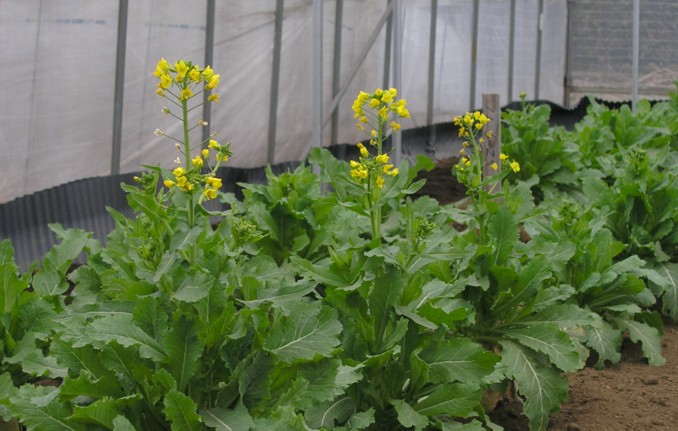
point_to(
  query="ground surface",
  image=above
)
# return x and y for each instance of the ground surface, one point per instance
(629, 396)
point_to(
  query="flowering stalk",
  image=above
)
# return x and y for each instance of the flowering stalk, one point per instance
(179, 84)
(376, 112)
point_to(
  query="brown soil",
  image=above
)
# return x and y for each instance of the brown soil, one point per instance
(629, 396)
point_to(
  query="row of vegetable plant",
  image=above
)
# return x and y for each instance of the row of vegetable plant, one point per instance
(336, 301)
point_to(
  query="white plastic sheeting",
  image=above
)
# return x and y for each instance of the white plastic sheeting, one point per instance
(56, 107)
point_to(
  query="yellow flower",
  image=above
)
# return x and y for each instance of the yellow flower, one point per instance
(161, 68)
(373, 142)
(214, 182)
(165, 81)
(181, 68)
(515, 166)
(395, 126)
(186, 94)
(214, 144)
(207, 73)
(213, 98)
(197, 161)
(382, 158)
(363, 150)
(503, 157)
(179, 172)
(383, 113)
(360, 173)
(378, 92)
(221, 157)
(374, 103)
(214, 81)
(394, 172)
(489, 135)
(380, 181)
(353, 164)
(159, 91)
(494, 166)
(205, 153)
(210, 193)
(387, 168)
(194, 74)
(168, 183)
(467, 162)
(363, 119)
(360, 127)
(373, 133)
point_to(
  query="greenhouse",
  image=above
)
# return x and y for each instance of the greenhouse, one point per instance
(339, 215)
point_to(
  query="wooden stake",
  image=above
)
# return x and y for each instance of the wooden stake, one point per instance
(492, 146)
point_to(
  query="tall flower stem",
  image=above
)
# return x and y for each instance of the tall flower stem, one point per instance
(187, 158)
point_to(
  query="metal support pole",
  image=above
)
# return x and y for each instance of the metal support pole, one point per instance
(512, 49)
(474, 54)
(537, 74)
(397, 70)
(275, 81)
(336, 72)
(491, 148)
(317, 73)
(119, 87)
(636, 54)
(209, 59)
(569, 52)
(431, 61)
(387, 44)
(360, 60)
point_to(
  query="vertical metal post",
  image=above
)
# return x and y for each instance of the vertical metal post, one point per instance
(568, 52)
(336, 72)
(317, 73)
(474, 54)
(387, 47)
(537, 74)
(209, 59)
(431, 61)
(275, 81)
(512, 48)
(491, 148)
(636, 54)
(397, 70)
(119, 87)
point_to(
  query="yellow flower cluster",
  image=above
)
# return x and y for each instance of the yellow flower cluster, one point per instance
(186, 77)
(360, 170)
(384, 104)
(187, 180)
(471, 122)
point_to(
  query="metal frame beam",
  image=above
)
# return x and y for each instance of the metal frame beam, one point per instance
(119, 90)
(336, 72)
(209, 59)
(275, 81)
(537, 73)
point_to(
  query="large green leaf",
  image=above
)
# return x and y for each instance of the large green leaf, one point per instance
(40, 410)
(552, 341)
(308, 331)
(181, 411)
(383, 297)
(648, 337)
(606, 341)
(543, 387)
(408, 417)
(222, 419)
(454, 399)
(121, 328)
(566, 316)
(328, 413)
(504, 233)
(11, 286)
(458, 359)
(100, 413)
(184, 350)
(670, 296)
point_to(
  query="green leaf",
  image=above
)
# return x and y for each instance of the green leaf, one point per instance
(384, 295)
(606, 341)
(195, 287)
(458, 359)
(181, 411)
(328, 413)
(670, 296)
(223, 419)
(648, 336)
(119, 327)
(100, 413)
(86, 385)
(408, 417)
(527, 285)
(504, 233)
(362, 420)
(184, 350)
(121, 423)
(454, 399)
(543, 387)
(550, 340)
(11, 286)
(308, 331)
(566, 316)
(40, 410)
